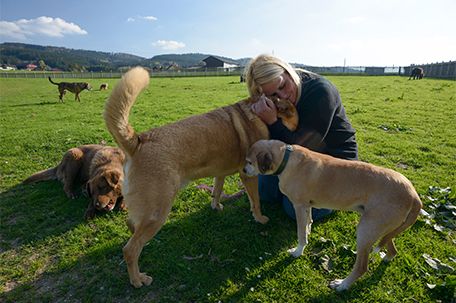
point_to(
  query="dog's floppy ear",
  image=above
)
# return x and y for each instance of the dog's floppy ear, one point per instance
(112, 178)
(264, 161)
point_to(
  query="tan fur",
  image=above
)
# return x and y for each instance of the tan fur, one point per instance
(161, 161)
(97, 168)
(386, 200)
(75, 87)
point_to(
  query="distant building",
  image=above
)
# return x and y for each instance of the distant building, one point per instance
(31, 66)
(217, 62)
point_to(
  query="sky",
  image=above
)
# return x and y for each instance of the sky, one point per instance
(316, 33)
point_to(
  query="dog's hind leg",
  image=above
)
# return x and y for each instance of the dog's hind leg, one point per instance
(370, 229)
(217, 192)
(147, 214)
(410, 219)
(68, 171)
(251, 187)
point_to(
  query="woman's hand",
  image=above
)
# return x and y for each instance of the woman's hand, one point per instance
(265, 109)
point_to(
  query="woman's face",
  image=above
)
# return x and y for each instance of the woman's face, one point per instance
(283, 87)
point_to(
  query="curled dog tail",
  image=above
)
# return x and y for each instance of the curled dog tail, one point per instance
(118, 106)
(47, 174)
(50, 80)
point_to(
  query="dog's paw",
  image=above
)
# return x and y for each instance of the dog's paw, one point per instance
(338, 285)
(262, 219)
(143, 279)
(296, 252)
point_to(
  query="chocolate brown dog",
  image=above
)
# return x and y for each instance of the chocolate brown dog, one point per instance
(74, 87)
(98, 168)
(161, 161)
(386, 200)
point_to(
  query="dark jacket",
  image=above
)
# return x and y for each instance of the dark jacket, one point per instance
(323, 124)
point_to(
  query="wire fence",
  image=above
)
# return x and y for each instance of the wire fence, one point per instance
(443, 70)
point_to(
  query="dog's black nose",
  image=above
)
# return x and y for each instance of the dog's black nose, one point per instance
(244, 170)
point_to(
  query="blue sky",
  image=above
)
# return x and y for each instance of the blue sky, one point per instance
(317, 32)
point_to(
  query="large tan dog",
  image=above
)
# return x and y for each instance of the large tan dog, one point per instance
(75, 87)
(161, 161)
(98, 168)
(386, 200)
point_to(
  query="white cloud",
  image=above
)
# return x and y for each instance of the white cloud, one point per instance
(147, 18)
(46, 26)
(168, 45)
(355, 20)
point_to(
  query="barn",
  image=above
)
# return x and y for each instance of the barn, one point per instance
(218, 62)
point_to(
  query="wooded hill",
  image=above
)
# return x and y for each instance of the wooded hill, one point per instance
(66, 59)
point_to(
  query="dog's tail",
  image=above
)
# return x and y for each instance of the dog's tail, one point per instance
(118, 108)
(50, 80)
(47, 174)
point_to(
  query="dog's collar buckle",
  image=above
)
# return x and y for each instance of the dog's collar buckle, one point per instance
(288, 150)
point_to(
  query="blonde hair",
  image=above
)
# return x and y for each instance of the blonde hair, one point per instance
(266, 68)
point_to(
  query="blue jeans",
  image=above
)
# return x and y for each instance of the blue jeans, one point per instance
(268, 187)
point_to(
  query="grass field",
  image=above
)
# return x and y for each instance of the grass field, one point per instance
(48, 253)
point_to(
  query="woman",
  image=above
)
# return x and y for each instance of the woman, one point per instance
(323, 124)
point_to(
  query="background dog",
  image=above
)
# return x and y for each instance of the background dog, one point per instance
(74, 87)
(417, 73)
(386, 200)
(98, 168)
(103, 86)
(161, 161)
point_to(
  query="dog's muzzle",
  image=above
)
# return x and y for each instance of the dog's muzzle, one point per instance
(249, 170)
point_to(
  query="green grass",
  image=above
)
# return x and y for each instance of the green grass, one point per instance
(48, 253)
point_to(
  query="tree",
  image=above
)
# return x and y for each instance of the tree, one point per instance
(42, 65)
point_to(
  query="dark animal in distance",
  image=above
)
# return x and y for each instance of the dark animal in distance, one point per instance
(74, 87)
(417, 73)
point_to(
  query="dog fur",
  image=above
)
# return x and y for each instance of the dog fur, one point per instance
(386, 200)
(98, 168)
(417, 73)
(162, 160)
(103, 86)
(75, 87)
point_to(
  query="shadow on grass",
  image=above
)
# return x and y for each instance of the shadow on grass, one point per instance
(42, 208)
(37, 104)
(189, 258)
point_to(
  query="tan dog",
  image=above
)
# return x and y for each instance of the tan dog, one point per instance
(74, 87)
(103, 86)
(163, 160)
(386, 200)
(98, 168)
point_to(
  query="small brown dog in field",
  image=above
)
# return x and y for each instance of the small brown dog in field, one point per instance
(74, 87)
(161, 161)
(98, 168)
(386, 200)
(103, 86)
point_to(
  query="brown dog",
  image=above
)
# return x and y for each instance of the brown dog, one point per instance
(96, 167)
(74, 87)
(103, 86)
(386, 200)
(417, 73)
(163, 160)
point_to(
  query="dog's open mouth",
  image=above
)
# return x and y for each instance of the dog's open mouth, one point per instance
(110, 205)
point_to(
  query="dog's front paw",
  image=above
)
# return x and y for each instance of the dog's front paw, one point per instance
(297, 251)
(143, 279)
(338, 285)
(261, 219)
